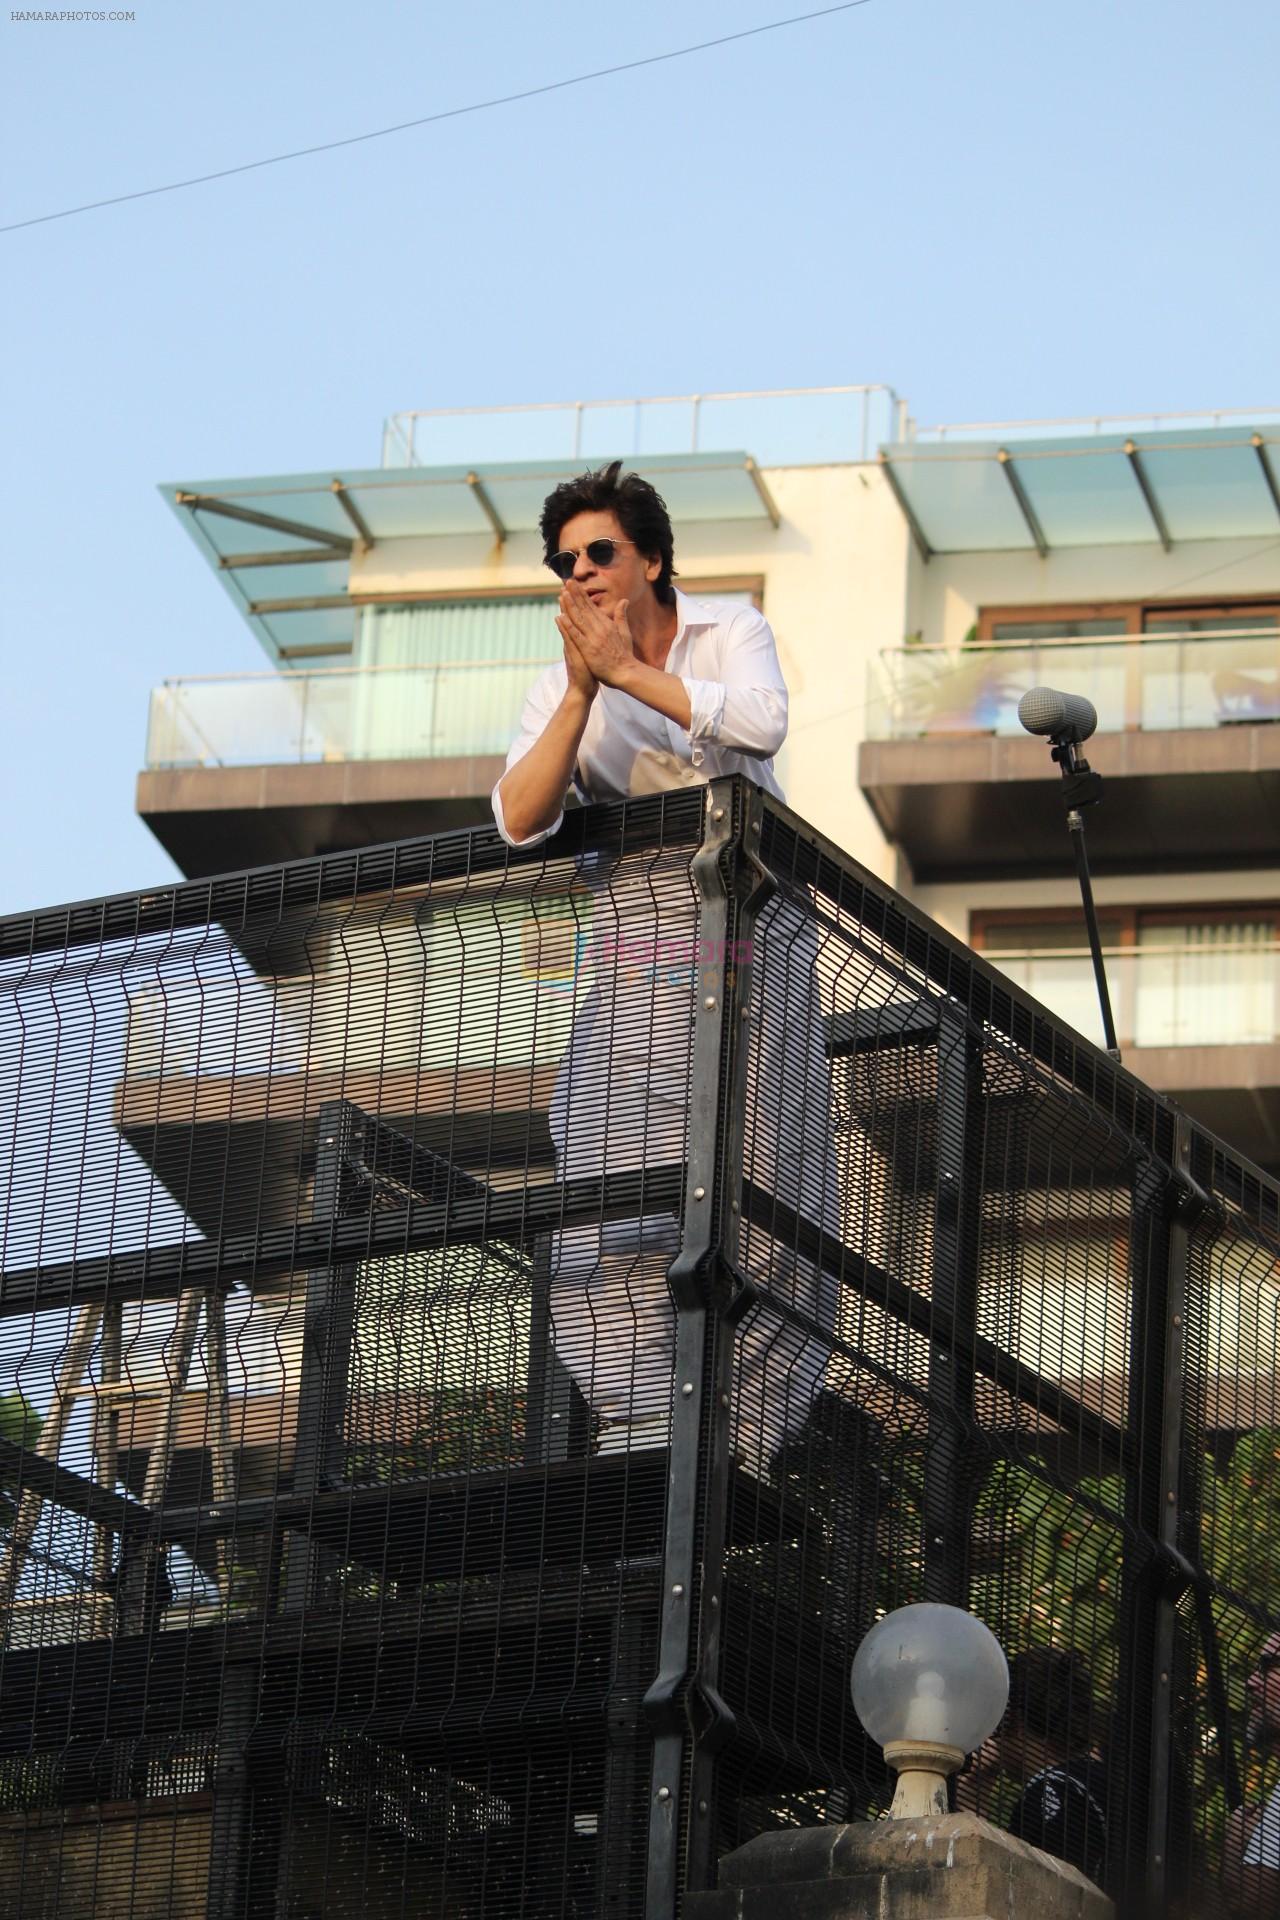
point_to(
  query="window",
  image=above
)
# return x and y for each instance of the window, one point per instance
(1064, 629)
(1176, 979)
(1198, 664)
(446, 678)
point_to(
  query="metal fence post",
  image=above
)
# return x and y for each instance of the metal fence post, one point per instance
(1168, 1530)
(328, 1322)
(681, 1816)
(948, 1478)
(1139, 1771)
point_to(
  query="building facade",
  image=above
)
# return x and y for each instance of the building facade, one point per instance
(917, 583)
(320, 1582)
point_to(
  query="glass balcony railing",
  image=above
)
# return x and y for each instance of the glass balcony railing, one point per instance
(785, 426)
(451, 709)
(1161, 996)
(1137, 684)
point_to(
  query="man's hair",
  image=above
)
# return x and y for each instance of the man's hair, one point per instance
(1051, 1694)
(640, 510)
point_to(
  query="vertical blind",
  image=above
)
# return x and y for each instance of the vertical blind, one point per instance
(1206, 982)
(453, 675)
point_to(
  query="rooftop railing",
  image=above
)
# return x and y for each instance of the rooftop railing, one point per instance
(784, 426)
(781, 427)
(1084, 425)
(1146, 684)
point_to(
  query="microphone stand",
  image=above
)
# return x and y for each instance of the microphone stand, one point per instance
(1082, 787)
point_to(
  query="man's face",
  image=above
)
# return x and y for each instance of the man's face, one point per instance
(630, 576)
(1262, 1690)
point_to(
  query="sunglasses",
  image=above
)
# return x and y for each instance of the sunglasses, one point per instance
(601, 553)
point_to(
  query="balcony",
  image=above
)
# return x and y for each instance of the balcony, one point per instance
(1188, 740)
(273, 765)
(1197, 1019)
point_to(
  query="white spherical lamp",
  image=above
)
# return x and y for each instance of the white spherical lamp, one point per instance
(929, 1684)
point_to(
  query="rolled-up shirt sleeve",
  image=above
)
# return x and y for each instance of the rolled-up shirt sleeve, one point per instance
(540, 703)
(747, 709)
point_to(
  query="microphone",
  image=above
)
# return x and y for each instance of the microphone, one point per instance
(1060, 716)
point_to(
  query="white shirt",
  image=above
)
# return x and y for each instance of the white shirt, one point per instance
(1262, 1849)
(725, 657)
(621, 1098)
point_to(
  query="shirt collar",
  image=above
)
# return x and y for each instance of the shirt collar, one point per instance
(691, 615)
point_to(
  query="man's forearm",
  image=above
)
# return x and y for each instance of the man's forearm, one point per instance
(533, 790)
(665, 692)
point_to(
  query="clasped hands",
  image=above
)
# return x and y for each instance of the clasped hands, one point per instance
(598, 647)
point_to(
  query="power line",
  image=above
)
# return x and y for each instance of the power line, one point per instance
(432, 119)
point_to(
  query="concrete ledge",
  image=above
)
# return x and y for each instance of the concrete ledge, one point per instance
(956, 1867)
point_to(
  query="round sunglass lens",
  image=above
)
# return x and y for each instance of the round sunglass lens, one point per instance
(562, 564)
(601, 552)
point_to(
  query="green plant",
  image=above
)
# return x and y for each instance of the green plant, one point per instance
(20, 1425)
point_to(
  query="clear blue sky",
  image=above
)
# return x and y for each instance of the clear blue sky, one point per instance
(1006, 209)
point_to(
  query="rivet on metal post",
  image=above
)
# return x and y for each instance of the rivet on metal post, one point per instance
(687, 1388)
(699, 1193)
(664, 1793)
(709, 1002)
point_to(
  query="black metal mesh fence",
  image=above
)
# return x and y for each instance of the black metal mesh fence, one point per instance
(484, 1334)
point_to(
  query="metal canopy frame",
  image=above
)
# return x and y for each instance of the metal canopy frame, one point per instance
(338, 516)
(274, 523)
(907, 510)
(1025, 507)
(949, 507)
(1259, 446)
(1148, 493)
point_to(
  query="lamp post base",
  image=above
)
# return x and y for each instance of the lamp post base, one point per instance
(922, 1767)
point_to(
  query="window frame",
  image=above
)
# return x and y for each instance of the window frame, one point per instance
(1130, 919)
(1134, 613)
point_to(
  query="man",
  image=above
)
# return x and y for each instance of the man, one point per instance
(1046, 1742)
(658, 691)
(1251, 1846)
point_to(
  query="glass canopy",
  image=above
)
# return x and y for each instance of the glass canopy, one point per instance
(1088, 490)
(283, 546)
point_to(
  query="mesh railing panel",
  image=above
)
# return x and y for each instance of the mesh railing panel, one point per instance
(485, 1333)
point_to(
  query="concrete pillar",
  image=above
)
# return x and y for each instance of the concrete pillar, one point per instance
(950, 1867)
